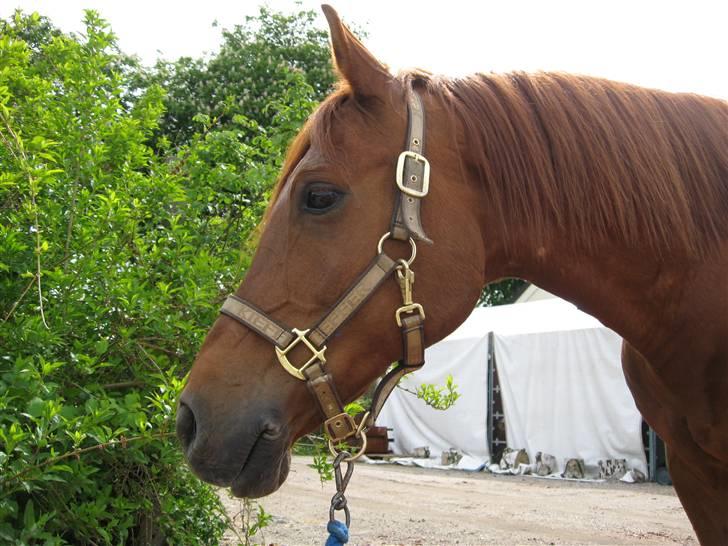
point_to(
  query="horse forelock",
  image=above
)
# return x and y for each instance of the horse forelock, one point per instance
(595, 161)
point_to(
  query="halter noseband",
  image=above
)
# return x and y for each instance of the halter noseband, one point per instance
(412, 178)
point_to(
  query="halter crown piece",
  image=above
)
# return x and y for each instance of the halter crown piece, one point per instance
(412, 182)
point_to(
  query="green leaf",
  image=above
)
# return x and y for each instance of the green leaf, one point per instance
(29, 515)
(36, 408)
(101, 346)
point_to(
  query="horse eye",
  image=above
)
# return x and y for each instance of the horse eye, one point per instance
(320, 200)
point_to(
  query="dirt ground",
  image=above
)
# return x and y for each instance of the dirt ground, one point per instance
(403, 505)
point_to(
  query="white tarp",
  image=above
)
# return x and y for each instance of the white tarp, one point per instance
(562, 388)
(564, 394)
(463, 425)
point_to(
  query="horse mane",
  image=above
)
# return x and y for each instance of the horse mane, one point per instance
(592, 161)
(584, 159)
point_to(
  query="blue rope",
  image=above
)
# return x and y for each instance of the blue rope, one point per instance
(338, 533)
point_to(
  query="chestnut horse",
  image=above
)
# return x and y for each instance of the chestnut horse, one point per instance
(612, 196)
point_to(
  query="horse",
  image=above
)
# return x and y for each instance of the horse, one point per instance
(612, 196)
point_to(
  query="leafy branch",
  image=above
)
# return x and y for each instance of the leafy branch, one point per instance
(22, 158)
(439, 398)
(253, 519)
(122, 441)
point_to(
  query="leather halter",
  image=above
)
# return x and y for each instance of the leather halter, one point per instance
(412, 180)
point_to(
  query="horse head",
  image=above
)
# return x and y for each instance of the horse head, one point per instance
(241, 411)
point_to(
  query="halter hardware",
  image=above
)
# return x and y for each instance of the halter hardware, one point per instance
(411, 308)
(412, 243)
(403, 157)
(359, 433)
(340, 425)
(406, 280)
(317, 354)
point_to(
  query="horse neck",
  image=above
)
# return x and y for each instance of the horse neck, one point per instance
(622, 287)
(625, 291)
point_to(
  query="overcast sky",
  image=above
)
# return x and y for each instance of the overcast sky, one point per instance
(673, 45)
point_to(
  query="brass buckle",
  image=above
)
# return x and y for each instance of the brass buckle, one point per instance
(318, 354)
(359, 432)
(425, 176)
(340, 427)
(411, 308)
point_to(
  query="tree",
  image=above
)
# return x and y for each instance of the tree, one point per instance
(255, 66)
(501, 292)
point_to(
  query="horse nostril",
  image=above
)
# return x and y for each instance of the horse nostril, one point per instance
(186, 425)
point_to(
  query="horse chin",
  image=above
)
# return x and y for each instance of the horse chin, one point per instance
(263, 473)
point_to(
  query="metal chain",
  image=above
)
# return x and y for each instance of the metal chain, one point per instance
(338, 501)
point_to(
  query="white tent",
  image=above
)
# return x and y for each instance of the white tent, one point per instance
(561, 384)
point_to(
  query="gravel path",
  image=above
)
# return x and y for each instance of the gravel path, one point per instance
(402, 505)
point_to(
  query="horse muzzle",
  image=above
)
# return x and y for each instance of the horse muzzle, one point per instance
(249, 454)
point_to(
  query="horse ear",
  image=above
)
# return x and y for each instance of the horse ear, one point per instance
(366, 75)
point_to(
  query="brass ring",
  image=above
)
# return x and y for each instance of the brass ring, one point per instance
(411, 242)
(362, 450)
(362, 425)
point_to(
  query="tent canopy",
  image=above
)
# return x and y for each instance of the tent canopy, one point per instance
(552, 315)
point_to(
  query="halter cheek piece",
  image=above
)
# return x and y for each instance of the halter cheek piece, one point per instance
(413, 179)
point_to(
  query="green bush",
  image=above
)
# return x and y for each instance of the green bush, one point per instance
(114, 259)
